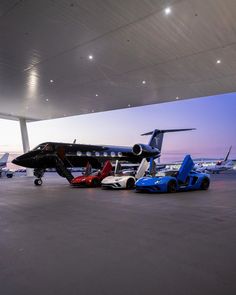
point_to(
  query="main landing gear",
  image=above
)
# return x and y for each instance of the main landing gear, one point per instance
(39, 174)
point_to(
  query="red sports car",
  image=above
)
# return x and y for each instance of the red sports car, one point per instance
(92, 179)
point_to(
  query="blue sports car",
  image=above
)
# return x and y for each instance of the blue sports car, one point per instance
(171, 181)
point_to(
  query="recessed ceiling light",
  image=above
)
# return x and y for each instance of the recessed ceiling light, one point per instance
(167, 10)
(143, 82)
(51, 81)
(47, 99)
(218, 61)
(177, 97)
(90, 57)
(96, 94)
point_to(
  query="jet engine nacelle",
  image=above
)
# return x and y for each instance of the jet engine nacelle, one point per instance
(145, 151)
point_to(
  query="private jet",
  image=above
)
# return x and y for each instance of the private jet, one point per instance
(65, 155)
(3, 166)
(221, 165)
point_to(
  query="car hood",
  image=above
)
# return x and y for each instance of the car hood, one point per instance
(111, 179)
(152, 180)
(147, 180)
(79, 179)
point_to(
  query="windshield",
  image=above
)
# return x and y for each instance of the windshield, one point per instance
(96, 173)
(44, 147)
(167, 173)
(40, 147)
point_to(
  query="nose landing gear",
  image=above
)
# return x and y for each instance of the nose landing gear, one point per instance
(39, 174)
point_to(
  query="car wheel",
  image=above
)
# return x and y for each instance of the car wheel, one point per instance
(95, 182)
(171, 186)
(38, 182)
(130, 183)
(205, 183)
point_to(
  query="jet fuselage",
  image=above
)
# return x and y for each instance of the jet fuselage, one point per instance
(75, 155)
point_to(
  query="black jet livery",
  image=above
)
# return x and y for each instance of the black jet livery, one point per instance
(65, 155)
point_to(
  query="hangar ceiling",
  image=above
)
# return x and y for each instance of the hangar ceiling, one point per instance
(61, 58)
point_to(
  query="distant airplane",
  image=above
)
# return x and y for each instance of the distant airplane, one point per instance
(3, 161)
(221, 165)
(3, 166)
(64, 155)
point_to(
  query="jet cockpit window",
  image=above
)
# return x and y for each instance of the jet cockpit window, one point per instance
(48, 147)
(39, 147)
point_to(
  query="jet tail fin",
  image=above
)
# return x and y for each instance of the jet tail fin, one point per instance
(157, 136)
(227, 156)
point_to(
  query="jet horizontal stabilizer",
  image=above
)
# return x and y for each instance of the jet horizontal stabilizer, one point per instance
(157, 136)
(167, 130)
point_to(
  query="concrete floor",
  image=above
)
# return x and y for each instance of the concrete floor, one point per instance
(58, 240)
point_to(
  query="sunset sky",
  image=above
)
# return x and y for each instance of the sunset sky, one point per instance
(213, 117)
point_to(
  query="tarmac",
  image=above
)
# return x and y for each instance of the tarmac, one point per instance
(57, 240)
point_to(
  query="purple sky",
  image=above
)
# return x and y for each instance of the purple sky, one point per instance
(214, 117)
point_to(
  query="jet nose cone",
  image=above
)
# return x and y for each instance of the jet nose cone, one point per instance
(21, 161)
(27, 160)
(16, 161)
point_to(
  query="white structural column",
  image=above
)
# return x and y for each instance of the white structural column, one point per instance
(25, 141)
(24, 135)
